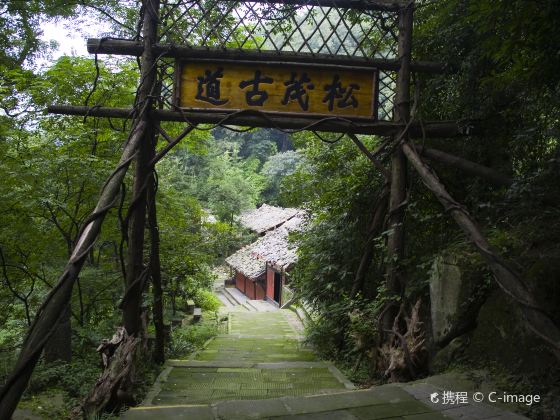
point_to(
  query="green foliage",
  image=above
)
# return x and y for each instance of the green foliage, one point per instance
(339, 186)
(232, 187)
(223, 239)
(218, 175)
(20, 23)
(52, 168)
(506, 56)
(56, 388)
(185, 340)
(275, 169)
(75, 378)
(207, 300)
(348, 332)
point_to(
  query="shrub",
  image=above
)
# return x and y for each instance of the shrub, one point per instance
(207, 300)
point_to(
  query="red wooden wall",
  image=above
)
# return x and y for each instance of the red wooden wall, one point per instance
(260, 293)
(250, 288)
(270, 283)
(240, 281)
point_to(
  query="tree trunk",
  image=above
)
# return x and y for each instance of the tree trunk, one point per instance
(121, 357)
(135, 274)
(507, 278)
(157, 309)
(494, 177)
(59, 346)
(395, 241)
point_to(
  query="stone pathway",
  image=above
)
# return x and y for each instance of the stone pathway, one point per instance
(262, 369)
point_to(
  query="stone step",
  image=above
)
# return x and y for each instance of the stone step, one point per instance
(249, 304)
(398, 401)
(225, 301)
(262, 369)
(235, 295)
(225, 297)
(238, 309)
(259, 306)
(263, 306)
(249, 308)
(228, 297)
(339, 403)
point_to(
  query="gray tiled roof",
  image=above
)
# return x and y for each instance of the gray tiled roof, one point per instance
(266, 217)
(273, 248)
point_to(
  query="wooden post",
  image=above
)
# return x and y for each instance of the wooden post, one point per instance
(431, 129)
(184, 52)
(132, 301)
(395, 241)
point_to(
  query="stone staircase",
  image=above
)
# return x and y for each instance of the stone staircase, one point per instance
(262, 369)
(262, 357)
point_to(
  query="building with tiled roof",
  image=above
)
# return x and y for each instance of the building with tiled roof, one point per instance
(260, 267)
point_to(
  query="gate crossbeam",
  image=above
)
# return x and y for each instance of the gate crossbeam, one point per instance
(135, 48)
(436, 129)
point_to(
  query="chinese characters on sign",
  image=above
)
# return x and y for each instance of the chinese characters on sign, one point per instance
(208, 88)
(344, 91)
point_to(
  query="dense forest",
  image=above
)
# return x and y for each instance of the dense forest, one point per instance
(501, 78)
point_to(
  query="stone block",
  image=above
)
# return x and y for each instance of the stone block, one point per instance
(197, 314)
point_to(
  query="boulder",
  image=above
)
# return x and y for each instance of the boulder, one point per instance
(457, 291)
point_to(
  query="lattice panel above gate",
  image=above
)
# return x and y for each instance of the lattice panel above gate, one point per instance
(267, 26)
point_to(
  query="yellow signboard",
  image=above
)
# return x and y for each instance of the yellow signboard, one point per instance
(281, 87)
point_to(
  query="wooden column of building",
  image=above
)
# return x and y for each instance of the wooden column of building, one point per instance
(396, 239)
